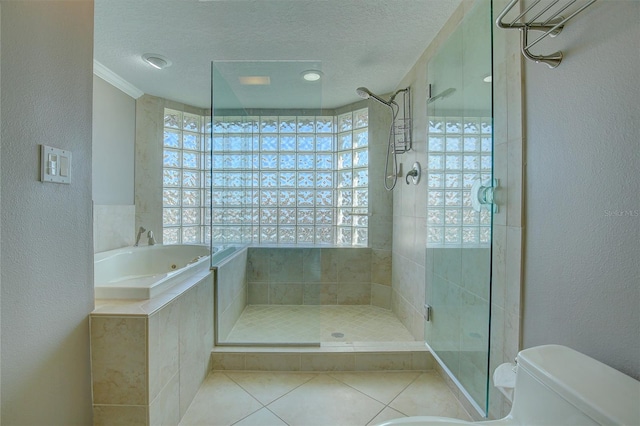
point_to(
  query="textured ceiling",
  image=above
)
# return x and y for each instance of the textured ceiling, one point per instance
(371, 43)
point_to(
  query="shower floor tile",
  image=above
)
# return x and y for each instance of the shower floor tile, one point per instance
(317, 323)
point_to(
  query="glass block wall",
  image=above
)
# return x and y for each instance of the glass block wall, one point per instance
(459, 151)
(293, 179)
(186, 181)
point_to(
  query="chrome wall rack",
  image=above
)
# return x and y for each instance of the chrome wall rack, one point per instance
(546, 18)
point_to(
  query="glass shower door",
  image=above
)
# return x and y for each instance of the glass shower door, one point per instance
(459, 152)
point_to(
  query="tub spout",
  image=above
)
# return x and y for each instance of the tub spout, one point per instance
(140, 231)
(152, 240)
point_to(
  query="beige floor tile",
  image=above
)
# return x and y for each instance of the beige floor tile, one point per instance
(386, 415)
(429, 395)
(267, 387)
(326, 401)
(219, 401)
(262, 417)
(381, 386)
(317, 323)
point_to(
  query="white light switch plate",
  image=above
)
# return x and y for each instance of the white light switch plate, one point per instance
(55, 165)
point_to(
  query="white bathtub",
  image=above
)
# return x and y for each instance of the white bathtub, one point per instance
(146, 271)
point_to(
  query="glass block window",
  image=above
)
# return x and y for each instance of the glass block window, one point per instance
(186, 178)
(459, 152)
(291, 179)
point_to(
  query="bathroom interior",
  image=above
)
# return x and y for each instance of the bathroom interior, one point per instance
(382, 231)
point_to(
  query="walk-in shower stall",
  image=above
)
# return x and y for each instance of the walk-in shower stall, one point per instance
(301, 222)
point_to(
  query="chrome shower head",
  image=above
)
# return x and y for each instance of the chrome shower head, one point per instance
(365, 93)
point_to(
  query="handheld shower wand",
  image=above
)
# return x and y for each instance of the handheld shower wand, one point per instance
(365, 93)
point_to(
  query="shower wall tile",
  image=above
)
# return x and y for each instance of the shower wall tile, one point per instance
(314, 275)
(354, 265)
(311, 265)
(380, 229)
(113, 227)
(500, 172)
(420, 237)
(258, 265)
(354, 293)
(285, 294)
(448, 264)
(476, 271)
(258, 293)
(498, 266)
(515, 179)
(320, 294)
(381, 267)
(285, 265)
(381, 296)
(329, 265)
(513, 270)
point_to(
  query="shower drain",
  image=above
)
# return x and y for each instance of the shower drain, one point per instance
(338, 335)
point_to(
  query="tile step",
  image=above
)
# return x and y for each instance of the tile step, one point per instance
(395, 357)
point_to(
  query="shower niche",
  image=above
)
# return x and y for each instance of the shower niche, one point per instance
(459, 226)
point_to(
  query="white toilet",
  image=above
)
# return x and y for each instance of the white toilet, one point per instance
(557, 386)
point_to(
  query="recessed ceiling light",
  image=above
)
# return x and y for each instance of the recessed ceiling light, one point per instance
(312, 75)
(157, 61)
(255, 80)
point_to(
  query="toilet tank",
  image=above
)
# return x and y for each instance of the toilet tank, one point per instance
(573, 388)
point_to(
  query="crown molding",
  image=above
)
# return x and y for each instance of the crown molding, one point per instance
(114, 79)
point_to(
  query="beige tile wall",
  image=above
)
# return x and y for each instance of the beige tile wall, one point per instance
(311, 276)
(231, 287)
(113, 227)
(146, 369)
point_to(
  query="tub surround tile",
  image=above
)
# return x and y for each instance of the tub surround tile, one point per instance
(113, 226)
(119, 360)
(165, 409)
(130, 415)
(152, 363)
(163, 348)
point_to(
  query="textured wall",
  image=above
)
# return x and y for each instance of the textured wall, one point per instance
(114, 125)
(47, 253)
(581, 264)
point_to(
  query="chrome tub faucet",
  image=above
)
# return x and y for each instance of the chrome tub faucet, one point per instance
(152, 240)
(141, 230)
